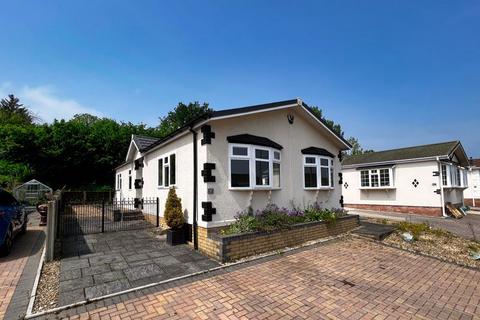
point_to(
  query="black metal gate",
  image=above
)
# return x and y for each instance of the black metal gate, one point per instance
(87, 217)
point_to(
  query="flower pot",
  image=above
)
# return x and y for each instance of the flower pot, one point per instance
(176, 236)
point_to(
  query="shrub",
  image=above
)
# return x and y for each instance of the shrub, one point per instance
(317, 214)
(274, 218)
(416, 229)
(173, 211)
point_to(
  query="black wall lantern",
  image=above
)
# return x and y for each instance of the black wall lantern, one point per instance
(290, 118)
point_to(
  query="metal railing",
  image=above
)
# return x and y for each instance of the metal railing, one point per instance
(87, 217)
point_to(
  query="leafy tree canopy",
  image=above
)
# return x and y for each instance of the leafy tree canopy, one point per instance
(335, 127)
(181, 115)
(356, 147)
(13, 112)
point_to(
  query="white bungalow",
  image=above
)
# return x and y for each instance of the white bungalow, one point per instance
(419, 180)
(238, 159)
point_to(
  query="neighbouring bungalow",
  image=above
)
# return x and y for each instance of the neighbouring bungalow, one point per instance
(472, 193)
(236, 160)
(418, 180)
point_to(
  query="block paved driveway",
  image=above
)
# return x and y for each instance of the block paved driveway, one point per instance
(98, 264)
(347, 279)
(18, 270)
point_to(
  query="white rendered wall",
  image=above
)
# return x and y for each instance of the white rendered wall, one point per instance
(404, 194)
(293, 138)
(473, 190)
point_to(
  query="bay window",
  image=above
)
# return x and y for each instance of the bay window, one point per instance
(317, 172)
(254, 167)
(454, 176)
(376, 178)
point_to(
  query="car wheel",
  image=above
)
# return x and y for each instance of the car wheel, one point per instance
(7, 244)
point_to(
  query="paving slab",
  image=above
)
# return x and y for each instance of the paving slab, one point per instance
(118, 261)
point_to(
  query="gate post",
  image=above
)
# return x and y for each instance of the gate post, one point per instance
(103, 216)
(158, 214)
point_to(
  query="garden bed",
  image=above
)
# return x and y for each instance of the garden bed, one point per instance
(435, 242)
(236, 246)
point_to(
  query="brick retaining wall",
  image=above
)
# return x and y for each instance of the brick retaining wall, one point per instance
(234, 247)
(426, 211)
(469, 202)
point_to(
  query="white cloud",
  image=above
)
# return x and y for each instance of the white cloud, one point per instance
(45, 103)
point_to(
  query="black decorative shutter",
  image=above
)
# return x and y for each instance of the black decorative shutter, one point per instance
(172, 169)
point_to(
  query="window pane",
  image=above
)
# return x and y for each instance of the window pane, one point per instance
(167, 176)
(276, 155)
(444, 174)
(160, 172)
(129, 182)
(276, 175)
(365, 179)
(172, 169)
(374, 178)
(262, 173)
(331, 177)
(261, 154)
(310, 160)
(240, 151)
(240, 173)
(166, 160)
(324, 162)
(310, 177)
(384, 177)
(325, 181)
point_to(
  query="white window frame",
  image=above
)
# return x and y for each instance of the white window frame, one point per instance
(455, 180)
(252, 159)
(318, 166)
(119, 181)
(164, 165)
(377, 173)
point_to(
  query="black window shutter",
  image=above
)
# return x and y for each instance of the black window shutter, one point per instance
(172, 169)
(160, 172)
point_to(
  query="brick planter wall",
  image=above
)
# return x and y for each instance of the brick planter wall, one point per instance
(234, 247)
(469, 202)
(426, 211)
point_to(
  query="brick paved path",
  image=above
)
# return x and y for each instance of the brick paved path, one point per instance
(12, 266)
(351, 279)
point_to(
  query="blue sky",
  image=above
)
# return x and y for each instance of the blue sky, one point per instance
(393, 73)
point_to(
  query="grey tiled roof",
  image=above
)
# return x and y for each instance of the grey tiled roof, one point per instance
(144, 142)
(425, 151)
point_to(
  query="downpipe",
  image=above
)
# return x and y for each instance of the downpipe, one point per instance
(195, 188)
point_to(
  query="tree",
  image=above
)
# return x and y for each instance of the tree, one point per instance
(356, 147)
(173, 211)
(181, 115)
(335, 127)
(13, 112)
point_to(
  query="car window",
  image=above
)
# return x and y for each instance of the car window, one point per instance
(6, 198)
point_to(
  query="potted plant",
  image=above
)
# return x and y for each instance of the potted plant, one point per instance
(174, 219)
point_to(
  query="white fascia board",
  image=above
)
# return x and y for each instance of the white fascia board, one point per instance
(254, 112)
(326, 127)
(372, 164)
(129, 148)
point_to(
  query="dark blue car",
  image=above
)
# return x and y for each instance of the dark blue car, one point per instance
(13, 221)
